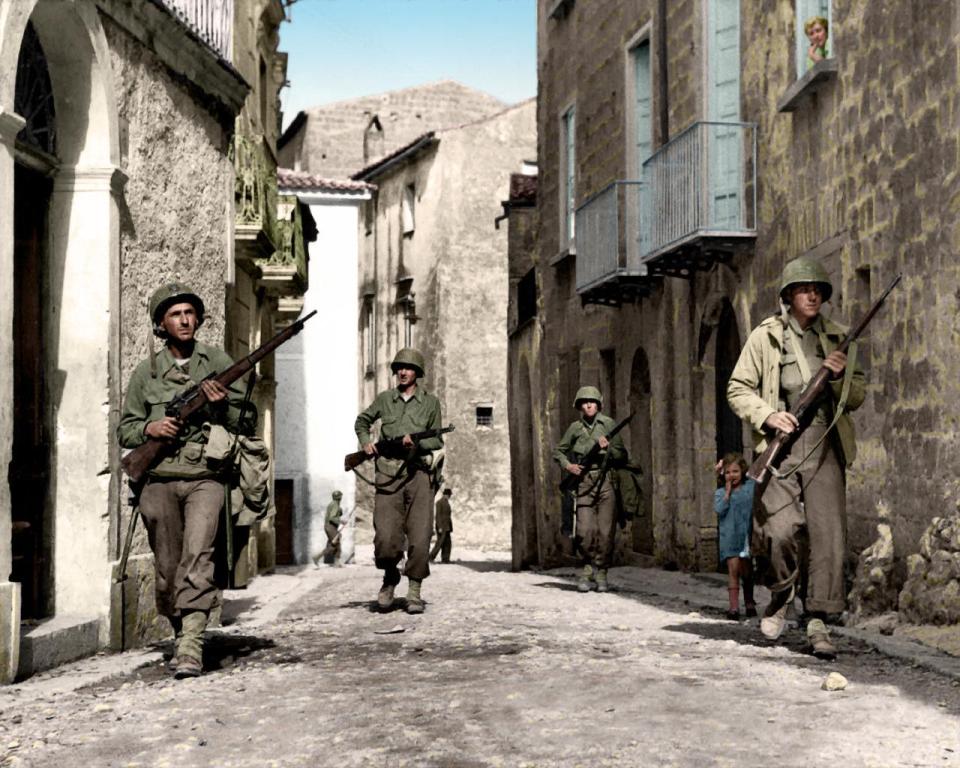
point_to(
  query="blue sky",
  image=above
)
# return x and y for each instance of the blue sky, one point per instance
(342, 49)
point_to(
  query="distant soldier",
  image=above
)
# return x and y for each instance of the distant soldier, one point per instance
(182, 499)
(444, 528)
(805, 501)
(403, 507)
(331, 526)
(596, 506)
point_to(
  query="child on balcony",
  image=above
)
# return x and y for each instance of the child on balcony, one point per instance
(816, 31)
(733, 504)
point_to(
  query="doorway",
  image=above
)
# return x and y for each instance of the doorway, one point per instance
(641, 449)
(729, 430)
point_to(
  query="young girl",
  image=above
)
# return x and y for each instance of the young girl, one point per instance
(816, 29)
(734, 506)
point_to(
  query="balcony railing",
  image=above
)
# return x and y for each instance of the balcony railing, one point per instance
(210, 20)
(291, 252)
(256, 194)
(608, 236)
(702, 183)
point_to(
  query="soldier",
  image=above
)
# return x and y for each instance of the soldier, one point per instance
(444, 528)
(182, 499)
(331, 526)
(596, 507)
(805, 503)
(403, 507)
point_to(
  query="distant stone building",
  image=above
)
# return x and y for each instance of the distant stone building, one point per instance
(686, 153)
(433, 274)
(117, 172)
(384, 141)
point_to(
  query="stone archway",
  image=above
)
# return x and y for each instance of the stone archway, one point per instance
(729, 431)
(79, 286)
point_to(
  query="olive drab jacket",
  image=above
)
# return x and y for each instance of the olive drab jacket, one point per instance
(754, 387)
(333, 514)
(154, 384)
(580, 437)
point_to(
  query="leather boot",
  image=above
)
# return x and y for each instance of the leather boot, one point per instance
(414, 602)
(189, 658)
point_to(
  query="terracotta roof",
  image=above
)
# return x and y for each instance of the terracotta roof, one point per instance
(523, 188)
(290, 179)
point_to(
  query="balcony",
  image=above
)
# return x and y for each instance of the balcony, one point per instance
(284, 273)
(255, 192)
(210, 20)
(699, 198)
(610, 268)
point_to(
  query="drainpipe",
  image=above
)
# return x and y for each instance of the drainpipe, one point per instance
(664, 112)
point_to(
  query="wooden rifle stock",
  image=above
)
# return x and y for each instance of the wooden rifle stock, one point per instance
(772, 455)
(140, 459)
(571, 481)
(390, 444)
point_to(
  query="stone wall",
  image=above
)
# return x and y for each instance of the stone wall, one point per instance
(863, 176)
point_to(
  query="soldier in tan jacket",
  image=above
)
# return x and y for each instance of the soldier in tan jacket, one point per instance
(805, 502)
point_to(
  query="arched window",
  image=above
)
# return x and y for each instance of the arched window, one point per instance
(33, 98)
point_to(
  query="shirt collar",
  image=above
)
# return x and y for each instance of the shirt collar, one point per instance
(417, 394)
(816, 326)
(167, 361)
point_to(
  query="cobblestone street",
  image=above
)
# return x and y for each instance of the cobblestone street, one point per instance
(503, 669)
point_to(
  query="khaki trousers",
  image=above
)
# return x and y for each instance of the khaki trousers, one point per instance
(802, 524)
(181, 517)
(403, 517)
(596, 520)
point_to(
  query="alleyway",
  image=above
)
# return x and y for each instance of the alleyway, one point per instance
(503, 669)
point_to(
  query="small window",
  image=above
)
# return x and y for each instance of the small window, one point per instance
(484, 415)
(568, 178)
(407, 208)
(369, 335)
(816, 14)
(527, 297)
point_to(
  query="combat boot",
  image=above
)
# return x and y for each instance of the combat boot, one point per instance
(385, 597)
(189, 658)
(819, 639)
(602, 584)
(414, 602)
(585, 582)
(774, 619)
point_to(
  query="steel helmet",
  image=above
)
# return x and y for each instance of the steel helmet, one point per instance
(173, 293)
(806, 270)
(408, 358)
(337, 495)
(588, 393)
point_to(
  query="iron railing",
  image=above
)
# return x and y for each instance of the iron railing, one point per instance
(608, 235)
(210, 20)
(701, 182)
(291, 251)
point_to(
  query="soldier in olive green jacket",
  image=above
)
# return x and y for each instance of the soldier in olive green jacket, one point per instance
(403, 507)
(331, 526)
(182, 498)
(596, 501)
(780, 357)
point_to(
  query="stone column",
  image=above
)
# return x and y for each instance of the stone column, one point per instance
(10, 125)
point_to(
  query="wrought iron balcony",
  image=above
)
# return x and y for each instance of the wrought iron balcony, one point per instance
(210, 20)
(284, 273)
(255, 194)
(699, 198)
(610, 267)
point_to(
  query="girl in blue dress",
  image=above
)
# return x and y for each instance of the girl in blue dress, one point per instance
(734, 507)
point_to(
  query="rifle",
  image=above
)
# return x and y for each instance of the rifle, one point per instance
(344, 522)
(571, 481)
(140, 459)
(390, 447)
(776, 449)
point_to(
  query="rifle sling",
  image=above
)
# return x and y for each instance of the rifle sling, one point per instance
(839, 411)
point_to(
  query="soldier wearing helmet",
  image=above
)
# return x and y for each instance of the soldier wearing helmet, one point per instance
(182, 498)
(806, 500)
(403, 507)
(595, 500)
(331, 526)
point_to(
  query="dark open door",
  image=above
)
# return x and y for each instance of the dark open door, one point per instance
(30, 466)
(283, 498)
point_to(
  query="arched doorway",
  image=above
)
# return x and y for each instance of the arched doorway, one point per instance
(29, 472)
(524, 476)
(641, 448)
(729, 432)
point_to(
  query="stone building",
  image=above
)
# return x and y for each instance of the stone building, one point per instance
(117, 125)
(686, 153)
(384, 139)
(432, 275)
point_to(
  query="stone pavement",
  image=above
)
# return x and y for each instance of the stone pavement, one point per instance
(504, 669)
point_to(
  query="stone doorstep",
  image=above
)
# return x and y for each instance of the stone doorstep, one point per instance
(56, 641)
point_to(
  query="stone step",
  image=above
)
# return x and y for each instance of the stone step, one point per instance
(56, 641)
